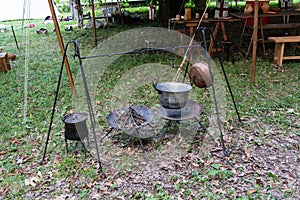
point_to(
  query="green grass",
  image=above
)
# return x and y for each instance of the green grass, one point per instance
(272, 102)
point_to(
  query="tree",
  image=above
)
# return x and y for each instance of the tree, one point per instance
(170, 8)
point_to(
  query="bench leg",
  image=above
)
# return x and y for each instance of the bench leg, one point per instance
(278, 55)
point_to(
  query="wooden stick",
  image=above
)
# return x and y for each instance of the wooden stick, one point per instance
(120, 12)
(61, 44)
(254, 46)
(185, 57)
(94, 24)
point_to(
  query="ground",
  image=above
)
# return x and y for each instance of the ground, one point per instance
(262, 151)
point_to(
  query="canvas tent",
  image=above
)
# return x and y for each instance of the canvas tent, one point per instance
(24, 9)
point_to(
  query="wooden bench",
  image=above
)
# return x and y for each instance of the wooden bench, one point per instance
(292, 26)
(279, 48)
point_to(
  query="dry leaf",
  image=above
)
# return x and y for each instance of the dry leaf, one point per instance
(259, 181)
(195, 164)
(32, 181)
(220, 191)
(252, 191)
(247, 151)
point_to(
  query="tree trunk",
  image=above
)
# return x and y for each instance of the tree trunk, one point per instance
(168, 9)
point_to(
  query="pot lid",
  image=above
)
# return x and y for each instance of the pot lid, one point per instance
(74, 118)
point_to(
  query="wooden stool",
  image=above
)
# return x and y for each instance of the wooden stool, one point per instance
(228, 47)
(4, 62)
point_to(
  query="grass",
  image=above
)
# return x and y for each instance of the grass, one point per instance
(27, 94)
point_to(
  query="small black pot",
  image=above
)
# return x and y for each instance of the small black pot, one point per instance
(75, 126)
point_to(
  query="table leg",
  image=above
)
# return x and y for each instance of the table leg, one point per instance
(243, 32)
(249, 47)
(280, 54)
(211, 46)
(224, 32)
(263, 40)
(262, 36)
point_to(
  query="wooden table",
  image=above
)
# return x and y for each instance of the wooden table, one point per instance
(217, 24)
(285, 14)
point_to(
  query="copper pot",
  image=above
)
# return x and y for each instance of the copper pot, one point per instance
(200, 75)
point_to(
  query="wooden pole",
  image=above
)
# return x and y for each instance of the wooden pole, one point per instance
(120, 12)
(61, 44)
(254, 42)
(94, 23)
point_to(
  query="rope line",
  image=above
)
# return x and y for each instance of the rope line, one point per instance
(26, 7)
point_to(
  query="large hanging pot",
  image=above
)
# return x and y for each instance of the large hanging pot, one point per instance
(75, 126)
(200, 75)
(172, 95)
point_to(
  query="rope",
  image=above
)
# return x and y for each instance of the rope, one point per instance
(26, 7)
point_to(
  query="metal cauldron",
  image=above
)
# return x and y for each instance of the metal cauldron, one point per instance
(172, 95)
(75, 126)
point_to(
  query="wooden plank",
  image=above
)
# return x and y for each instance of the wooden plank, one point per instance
(291, 58)
(284, 39)
(280, 26)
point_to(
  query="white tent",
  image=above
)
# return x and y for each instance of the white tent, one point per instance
(24, 9)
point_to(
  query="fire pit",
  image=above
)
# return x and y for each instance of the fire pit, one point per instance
(131, 117)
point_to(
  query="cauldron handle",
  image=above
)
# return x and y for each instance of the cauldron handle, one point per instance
(192, 80)
(154, 84)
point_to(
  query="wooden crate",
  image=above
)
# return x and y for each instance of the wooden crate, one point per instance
(4, 63)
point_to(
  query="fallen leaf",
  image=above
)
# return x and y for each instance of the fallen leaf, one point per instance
(259, 181)
(220, 191)
(32, 181)
(195, 164)
(247, 151)
(252, 191)
(272, 157)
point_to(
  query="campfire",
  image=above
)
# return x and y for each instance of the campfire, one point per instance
(130, 118)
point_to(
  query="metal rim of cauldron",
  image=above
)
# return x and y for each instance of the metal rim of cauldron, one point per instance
(71, 114)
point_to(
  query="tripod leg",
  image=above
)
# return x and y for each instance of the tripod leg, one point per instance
(108, 132)
(67, 150)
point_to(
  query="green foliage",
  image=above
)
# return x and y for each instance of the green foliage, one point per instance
(189, 4)
(124, 4)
